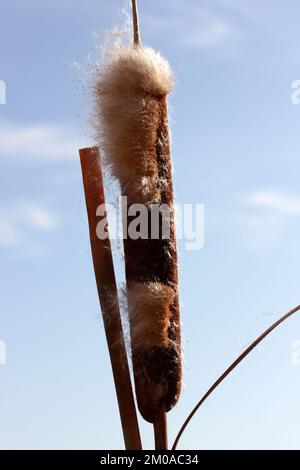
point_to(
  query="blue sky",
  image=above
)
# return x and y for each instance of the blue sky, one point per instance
(235, 149)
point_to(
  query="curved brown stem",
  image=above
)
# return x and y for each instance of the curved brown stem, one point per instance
(230, 369)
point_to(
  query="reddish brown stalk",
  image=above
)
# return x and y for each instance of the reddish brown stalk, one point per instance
(161, 430)
(107, 291)
(230, 369)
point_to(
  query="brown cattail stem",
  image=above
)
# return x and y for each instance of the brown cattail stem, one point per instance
(136, 28)
(230, 369)
(160, 430)
(107, 291)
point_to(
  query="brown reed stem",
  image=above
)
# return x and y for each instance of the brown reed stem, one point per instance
(160, 430)
(136, 28)
(108, 296)
(230, 369)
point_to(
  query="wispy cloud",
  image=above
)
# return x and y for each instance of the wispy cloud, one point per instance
(274, 201)
(36, 142)
(38, 217)
(196, 25)
(266, 218)
(211, 31)
(251, 10)
(20, 222)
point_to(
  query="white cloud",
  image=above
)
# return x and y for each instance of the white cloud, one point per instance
(274, 201)
(196, 25)
(36, 142)
(39, 218)
(250, 10)
(211, 32)
(20, 222)
(267, 219)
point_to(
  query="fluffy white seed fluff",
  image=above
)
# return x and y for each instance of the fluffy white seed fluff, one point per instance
(128, 90)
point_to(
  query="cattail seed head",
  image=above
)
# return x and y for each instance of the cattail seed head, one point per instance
(131, 92)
